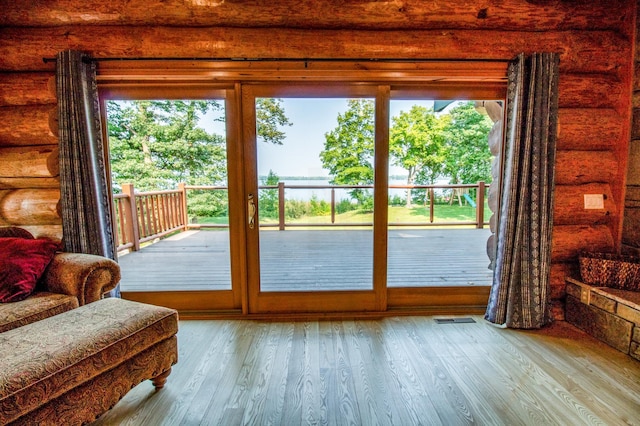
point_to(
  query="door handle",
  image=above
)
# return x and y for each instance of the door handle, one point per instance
(251, 210)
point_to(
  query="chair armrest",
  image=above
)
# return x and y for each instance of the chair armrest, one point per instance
(85, 276)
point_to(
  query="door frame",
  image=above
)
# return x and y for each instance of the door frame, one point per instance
(185, 78)
(195, 302)
(260, 302)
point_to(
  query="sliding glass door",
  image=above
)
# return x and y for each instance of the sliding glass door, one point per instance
(310, 200)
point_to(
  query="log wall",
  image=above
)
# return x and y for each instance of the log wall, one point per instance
(595, 40)
(631, 227)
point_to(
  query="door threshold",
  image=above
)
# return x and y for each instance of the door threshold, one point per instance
(333, 316)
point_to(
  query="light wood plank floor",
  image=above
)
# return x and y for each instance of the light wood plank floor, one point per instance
(313, 260)
(393, 371)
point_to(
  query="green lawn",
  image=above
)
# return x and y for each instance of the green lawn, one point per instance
(397, 214)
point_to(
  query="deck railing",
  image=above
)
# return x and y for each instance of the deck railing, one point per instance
(142, 217)
(145, 216)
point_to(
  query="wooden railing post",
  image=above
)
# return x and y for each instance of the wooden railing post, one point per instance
(281, 205)
(480, 205)
(182, 187)
(333, 205)
(431, 204)
(131, 216)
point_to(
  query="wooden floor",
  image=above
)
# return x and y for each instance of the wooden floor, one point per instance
(312, 260)
(394, 371)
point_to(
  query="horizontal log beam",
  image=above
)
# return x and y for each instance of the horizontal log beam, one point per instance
(30, 207)
(580, 167)
(372, 15)
(589, 128)
(580, 51)
(591, 91)
(29, 125)
(27, 89)
(29, 161)
(569, 205)
(570, 240)
(29, 183)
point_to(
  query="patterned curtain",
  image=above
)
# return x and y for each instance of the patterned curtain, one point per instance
(86, 213)
(520, 292)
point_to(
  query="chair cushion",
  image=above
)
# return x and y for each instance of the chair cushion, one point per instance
(22, 263)
(43, 360)
(39, 306)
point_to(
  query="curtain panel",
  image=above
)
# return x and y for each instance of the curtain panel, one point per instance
(520, 291)
(86, 211)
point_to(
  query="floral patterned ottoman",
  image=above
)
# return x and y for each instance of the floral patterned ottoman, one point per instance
(72, 367)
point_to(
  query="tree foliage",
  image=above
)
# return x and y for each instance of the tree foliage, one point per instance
(157, 144)
(467, 158)
(269, 197)
(416, 144)
(428, 146)
(270, 116)
(348, 149)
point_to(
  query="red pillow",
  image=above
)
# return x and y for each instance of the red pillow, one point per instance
(22, 263)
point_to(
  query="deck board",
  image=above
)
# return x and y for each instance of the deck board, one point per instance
(307, 260)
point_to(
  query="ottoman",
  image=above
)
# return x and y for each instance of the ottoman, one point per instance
(72, 367)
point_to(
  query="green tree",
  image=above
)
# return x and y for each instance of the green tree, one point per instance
(467, 158)
(157, 144)
(416, 144)
(269, 197)
(348, 149)
(270, 116)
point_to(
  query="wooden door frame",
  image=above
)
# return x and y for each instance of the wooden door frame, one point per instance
(195, 302)
(182, 79)
(260, 302)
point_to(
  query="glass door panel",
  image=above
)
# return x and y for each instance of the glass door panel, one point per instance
(440, 163)
(315, 234)
(168, 160)
(310, 244)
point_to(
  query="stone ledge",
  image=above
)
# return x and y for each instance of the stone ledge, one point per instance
(602, 325)
(608, 314)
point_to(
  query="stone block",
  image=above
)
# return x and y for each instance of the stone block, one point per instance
(634, 350)
(603, 302)
(574, 290)
(628, 313)
(602, 325)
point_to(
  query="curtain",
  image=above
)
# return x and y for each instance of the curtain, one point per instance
(520, 291)
(86, 212)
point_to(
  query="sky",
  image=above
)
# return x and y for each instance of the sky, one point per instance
(311, 118)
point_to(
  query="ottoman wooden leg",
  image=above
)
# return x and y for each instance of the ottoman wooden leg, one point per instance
(161, 379)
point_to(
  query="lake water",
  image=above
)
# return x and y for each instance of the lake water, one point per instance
(304, 194)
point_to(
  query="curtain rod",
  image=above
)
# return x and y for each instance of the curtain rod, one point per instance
(305, 60)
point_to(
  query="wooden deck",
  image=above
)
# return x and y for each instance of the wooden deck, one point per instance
(311, 260)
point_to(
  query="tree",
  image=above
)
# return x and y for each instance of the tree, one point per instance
(416, 144)
(157, 144)
(348, 149)
(269, 197)
(467, 158)
(269, 116)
